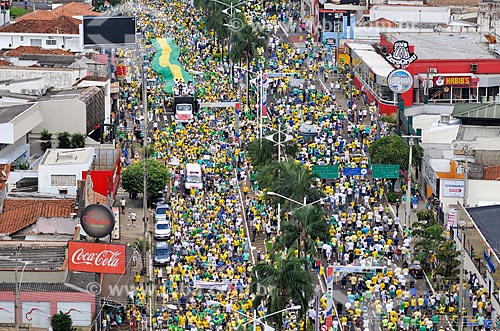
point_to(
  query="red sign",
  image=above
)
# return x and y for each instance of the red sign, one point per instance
(96, 257)
(452, 80)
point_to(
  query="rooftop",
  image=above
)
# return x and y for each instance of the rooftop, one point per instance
(487, 220)
(399, 8)
(28, 50)
(446, 46)
(41, 287)
(8, 113)
(70, 9)
(20, 213)
(373, 60)
(68, 156)
(477, 110)
(58, 25)
(81, 93)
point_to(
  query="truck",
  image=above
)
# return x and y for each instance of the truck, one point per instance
(185, 108)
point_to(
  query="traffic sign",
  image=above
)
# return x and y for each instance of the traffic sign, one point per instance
(326, 172)
(385, 171)
(352, 171)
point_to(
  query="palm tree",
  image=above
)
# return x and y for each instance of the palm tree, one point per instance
(306, 225)
(290, 179)
(280, 280)
(263, 151)
(244, 46)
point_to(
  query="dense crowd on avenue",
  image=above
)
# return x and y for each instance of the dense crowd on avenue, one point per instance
(209, 240)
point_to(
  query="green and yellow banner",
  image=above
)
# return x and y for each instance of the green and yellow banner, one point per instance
(166, 63)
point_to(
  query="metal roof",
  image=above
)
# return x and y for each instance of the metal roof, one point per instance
(487, 219)
(41, 287)
(477, 110)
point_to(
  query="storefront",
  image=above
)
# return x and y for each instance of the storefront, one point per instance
(463, 69)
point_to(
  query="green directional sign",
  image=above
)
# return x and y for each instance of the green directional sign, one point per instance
(385, 170)
(326, 172)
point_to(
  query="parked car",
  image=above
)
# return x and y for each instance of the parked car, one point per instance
(160, 212)
(162, 253)
(163, 229)
(415, 270)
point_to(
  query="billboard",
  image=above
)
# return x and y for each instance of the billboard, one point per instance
(97, 220)
(96, 257)
(109, 32)
(453, 188)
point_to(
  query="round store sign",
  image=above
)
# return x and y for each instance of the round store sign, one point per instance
(400, 81)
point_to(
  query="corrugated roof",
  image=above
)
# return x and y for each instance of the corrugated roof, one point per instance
(20, 213)
(40, 287)
(477, 110)
(487, 220)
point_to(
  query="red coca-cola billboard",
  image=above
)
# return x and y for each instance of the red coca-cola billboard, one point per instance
(96, 257)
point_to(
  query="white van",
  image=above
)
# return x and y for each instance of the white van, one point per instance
(193, 176)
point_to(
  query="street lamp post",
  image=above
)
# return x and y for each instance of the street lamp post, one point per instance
(408, 187)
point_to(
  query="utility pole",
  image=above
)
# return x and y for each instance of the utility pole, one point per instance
(145, 176)
(461, 289)
(408, 187)
(466, 174)
(16, 290)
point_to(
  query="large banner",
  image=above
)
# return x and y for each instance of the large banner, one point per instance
(97, 257)
(166, 62)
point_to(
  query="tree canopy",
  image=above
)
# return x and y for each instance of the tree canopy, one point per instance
(61, 322)
(394, 150)
(157, 177)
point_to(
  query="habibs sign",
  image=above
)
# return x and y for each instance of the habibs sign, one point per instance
(96, 257)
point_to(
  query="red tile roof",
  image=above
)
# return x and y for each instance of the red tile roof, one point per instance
(4, 168)
(20, 213)
(4, 63)
(23, 50)
(69, 9)
(59, 25)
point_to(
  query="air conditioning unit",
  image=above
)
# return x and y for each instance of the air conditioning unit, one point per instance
(433, 70)
(473, 67)
(25, 91)
(445, 119)
(35, 92)
(63, 190)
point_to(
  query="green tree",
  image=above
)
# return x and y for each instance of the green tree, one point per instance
(304, 227)
(260, 152)
(280, 280)
(394, 150)
(78, 140)
(46, 140)
(61, 322)
(64, 140)
(157, 177)
(244, 45)
(289, 179)
(447, 260)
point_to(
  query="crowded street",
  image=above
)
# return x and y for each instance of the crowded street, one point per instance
(222, 229)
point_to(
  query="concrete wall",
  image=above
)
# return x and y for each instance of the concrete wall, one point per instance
(46, 172)
(21, 86)
(483, 190)
(373, 33)
(26, 121)
(59, 78)
(13, 40)
(487, 157)
(7, 276)
(62, 115)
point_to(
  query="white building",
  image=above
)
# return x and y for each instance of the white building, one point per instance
(411, 15)
(60, 170)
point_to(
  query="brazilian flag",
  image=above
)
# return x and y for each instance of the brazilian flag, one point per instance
(166, 63)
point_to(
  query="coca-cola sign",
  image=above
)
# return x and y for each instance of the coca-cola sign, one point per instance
(96, 257)
(97, 220)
